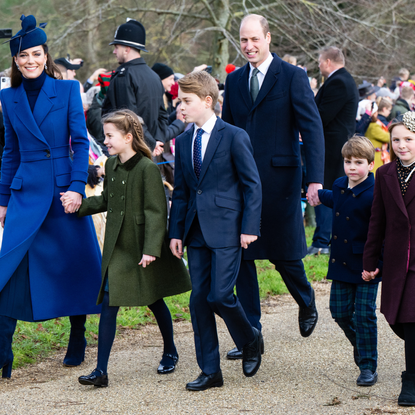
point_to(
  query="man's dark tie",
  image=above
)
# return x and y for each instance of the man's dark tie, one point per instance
(197, 152)
(254, 84)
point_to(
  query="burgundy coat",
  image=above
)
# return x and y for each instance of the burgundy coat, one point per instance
(393, 221)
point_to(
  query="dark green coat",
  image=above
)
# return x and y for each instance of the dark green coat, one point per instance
(136, 208)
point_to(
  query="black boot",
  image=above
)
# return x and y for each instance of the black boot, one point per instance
(7, 328)
(407, 396)
(75, 354)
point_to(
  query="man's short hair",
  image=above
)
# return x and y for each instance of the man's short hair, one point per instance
(262, 21)
(334, 54)
(201, 84)
(360, 148)
(407, 92)
(403, 72)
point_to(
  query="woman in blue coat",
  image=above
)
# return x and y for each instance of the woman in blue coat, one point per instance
(49, 260)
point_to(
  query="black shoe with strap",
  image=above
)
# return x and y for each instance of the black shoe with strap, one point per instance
(96, 378)
(164, 369)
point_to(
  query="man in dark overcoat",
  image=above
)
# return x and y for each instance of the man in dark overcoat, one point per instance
(273, 102)
(337, 102)
(136, 87)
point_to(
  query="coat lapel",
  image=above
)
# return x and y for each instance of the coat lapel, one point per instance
(243, 85)
(214, 141)
(392, 181)
(410, 192)
(269, 80)
(25, 115)
(44, 103)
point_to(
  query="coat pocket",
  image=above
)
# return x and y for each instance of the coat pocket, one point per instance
(228, 203)
(63, 180)
(285, 161)
(139, 219)
(16, 183)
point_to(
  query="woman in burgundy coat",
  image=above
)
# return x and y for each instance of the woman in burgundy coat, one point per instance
(392, 225)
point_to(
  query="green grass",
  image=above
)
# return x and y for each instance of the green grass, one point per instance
(34, 341)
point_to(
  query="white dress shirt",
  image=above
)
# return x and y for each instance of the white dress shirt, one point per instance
(207, 128)
(263, 69)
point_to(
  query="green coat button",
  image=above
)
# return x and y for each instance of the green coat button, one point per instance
(110, 211)
(123, 182)
(113, 179)
(122, 197)
(122, 213)
(111, 194)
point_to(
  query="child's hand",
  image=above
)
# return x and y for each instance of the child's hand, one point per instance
(147, 260)
(370, 275)
(247, 239)
(308, 200)
(176, 247)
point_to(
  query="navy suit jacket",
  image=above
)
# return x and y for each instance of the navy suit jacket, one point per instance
(226, 198)
(351, 216)
(284, 107)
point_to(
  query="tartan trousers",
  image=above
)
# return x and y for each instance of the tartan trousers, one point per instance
(353, 307)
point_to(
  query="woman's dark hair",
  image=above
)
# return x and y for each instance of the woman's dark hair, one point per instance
(93, 178)
(52, 70)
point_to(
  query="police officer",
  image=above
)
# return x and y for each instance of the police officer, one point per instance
(136, 87)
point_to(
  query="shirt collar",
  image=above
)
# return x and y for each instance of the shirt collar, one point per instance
(333, 72)
(208, 126)
(263, 68)
(361, 187)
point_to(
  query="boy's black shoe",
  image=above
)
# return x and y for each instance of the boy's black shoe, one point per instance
(252, 354)
(96, 378)
(203, 382)
(307, 317)
(235, 354)
(407, 396)
(367, 378)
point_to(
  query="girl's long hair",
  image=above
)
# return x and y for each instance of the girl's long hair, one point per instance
(127, 121)
(392, 125)
(52, 70)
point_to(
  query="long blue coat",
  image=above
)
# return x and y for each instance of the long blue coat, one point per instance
(284, 107)
(49, 257)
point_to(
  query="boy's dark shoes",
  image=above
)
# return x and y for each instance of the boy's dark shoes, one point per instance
(307, 317)
(203, 382)
(407, 396)
(367, 378)
(252, 354)
(96, 378)
(312, 250)
(235, 354)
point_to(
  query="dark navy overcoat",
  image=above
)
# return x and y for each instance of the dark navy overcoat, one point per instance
(50, 256)
(351, 216)
(283, 108)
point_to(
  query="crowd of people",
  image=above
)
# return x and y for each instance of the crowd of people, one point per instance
(185, 161)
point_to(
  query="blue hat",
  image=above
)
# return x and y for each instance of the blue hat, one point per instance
(29, 36)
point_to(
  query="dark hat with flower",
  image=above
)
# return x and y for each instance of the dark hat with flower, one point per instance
(131, 34)
(29, 36)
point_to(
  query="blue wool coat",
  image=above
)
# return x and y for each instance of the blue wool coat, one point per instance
(351, 216)
(283, 108)
(49, 257)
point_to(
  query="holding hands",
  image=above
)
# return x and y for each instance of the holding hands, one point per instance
(370, 275)
(71, 201)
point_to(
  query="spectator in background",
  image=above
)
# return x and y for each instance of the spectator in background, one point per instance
(403, 103)
(337, 102)
(384, 109)
(290, 59)
(166, 75)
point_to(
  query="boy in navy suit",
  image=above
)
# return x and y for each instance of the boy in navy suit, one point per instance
(353, 301)
(215, 212)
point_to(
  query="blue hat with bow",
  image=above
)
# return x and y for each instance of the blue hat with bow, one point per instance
(29, 37)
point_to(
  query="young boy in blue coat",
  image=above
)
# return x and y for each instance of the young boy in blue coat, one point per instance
(353, 301)
(215, 212)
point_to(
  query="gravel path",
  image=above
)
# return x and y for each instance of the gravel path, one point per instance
(298, 376)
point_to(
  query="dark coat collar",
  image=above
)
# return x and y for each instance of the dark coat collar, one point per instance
(130, 163)
(343, 183)
(133, 62)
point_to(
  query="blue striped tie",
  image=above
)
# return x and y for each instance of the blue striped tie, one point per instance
(197, 152)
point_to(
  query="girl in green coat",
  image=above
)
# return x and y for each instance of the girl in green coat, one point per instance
(137, 266)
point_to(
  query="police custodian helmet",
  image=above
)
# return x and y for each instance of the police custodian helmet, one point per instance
(131, 34)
